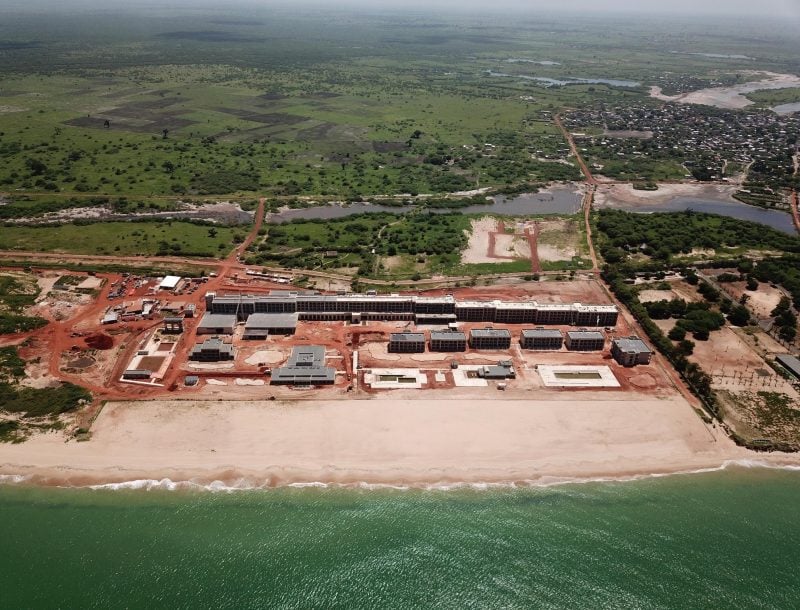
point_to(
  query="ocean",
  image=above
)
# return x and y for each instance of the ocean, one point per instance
(725, 539)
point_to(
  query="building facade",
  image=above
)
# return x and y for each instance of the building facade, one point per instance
(407, 343)
(585, 341)
(631, 351)
(448, 341)
(490, 338)
(541, 339)
(212, 350)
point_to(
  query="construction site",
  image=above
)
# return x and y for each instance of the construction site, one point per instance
(251, 337)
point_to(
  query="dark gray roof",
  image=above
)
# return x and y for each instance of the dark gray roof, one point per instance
(302, 374)
(271, 320)
(448, 336)
(217, 320)
(632, 344)
(585, 334)
(213, 344)
(494, 333)
(790, 362)
(542, 333)
(407, 338)
(307, 357)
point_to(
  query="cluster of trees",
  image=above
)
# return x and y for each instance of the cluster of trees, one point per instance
(698, 380)
(225, 181)
(665, 234)
(42, 402)
(785, 320)
(696, 318)
(784, 271)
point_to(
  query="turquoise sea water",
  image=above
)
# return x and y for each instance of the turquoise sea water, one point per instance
(727, 539)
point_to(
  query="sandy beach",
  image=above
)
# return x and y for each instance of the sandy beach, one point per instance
(386, 441)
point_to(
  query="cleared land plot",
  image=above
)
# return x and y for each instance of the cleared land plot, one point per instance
(561, 241)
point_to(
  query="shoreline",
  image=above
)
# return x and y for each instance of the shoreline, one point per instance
(233, 482)
(381, 443)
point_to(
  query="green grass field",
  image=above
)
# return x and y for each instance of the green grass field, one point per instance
(124, 238)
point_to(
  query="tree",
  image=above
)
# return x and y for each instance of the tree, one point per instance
(678, 333)
(739, 316)
(788, 333)
(752, 283)
(686, 347)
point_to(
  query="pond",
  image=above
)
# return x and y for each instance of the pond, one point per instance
(781, 221)
(565, 200)
(787, 108)
(555, 82)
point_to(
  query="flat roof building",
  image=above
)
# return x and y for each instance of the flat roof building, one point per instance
(502, 370)
(137, 374)
(490, 338)
(212, 350)
(261, 325)
(406, 307)
(448, 341)
(790, 363)
(543, 339)
(306, 366)
(216, 324)
(631, 351)
(585, 340)
(169, 283)
(406, 343)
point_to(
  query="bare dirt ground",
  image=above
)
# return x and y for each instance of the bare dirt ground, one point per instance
(489, 242)
(761, 301)
(558, 240)
(477, 250)
(733, 365)
(625, 196)
(651, 296)
(731, 97)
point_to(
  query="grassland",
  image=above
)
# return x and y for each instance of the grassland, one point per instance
(775, 97)
(17, 291)
(135, 111)
(370, 245)
(124, 238)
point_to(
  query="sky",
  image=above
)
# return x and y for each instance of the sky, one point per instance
(789, 9)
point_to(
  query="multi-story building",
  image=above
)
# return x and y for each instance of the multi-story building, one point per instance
(311, 306)
(212, 350)
(490, 338)
(306, 366)
(448, 341)
(406, 343)
(630, 351)
(261, 325)
(584, 340)
(542, 339)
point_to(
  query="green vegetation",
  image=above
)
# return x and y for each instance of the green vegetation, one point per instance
(665, 235)
(766, 98)
(125, 238)
(47, 402)
(16, 294)
(416, 242)
(19, 405)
